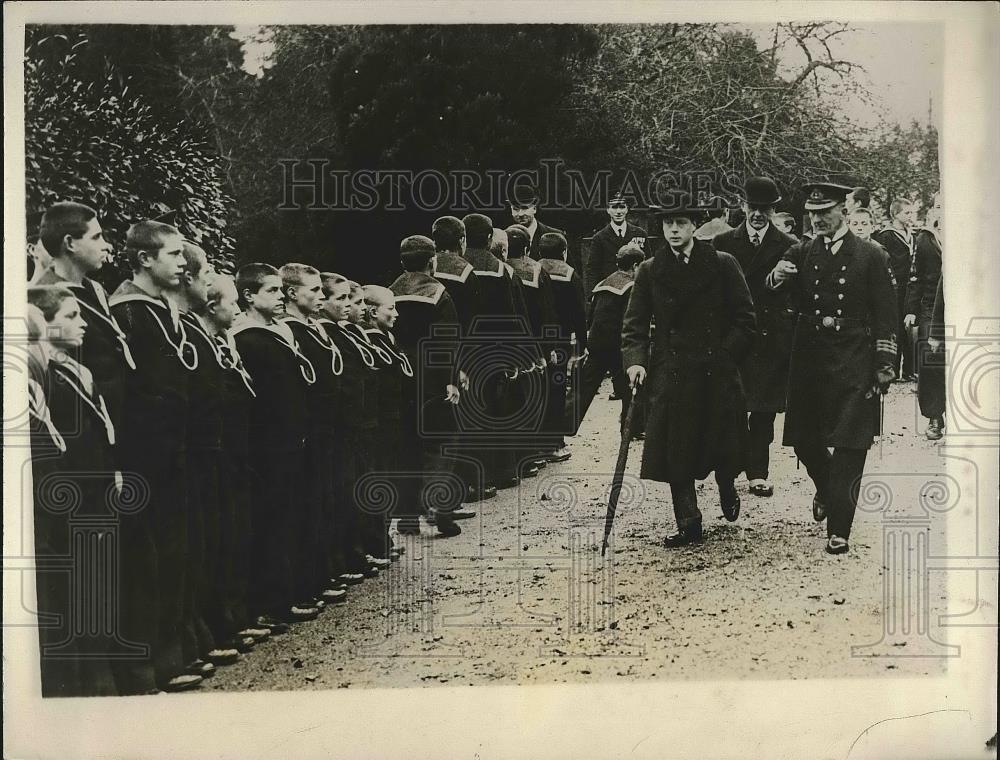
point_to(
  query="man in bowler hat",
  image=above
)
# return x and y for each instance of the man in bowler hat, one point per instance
(757, 245)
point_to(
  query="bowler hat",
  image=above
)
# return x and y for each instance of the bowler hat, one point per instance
(761, 191)
(824, 195)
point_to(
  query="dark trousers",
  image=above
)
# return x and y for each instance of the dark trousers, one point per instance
(555, 423)
(349, 516)
(276, 495)
(685, 501)
(904, 354)
(587, 382)
(235, 536)
(758, 444)
(202, 551)
(931, 378)
(837, 478)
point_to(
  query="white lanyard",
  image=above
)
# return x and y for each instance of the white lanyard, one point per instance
(119, 334)
(366, 355)
(306, 368)
(40, 411)
(235, 363)
(180, 346)
(100, 408)
(319, 335)
(403, 359)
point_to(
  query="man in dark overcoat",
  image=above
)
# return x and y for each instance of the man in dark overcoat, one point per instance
(842, 354)
(919, 310)
(604, 246)
(704, 329)
(757, 245)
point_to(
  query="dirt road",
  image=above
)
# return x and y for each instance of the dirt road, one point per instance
(523, 595)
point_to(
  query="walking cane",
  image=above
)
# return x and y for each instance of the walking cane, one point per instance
(619, 476)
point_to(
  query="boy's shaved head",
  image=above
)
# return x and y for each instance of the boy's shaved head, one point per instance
(376, 295)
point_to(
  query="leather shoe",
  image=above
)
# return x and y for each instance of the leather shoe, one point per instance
(685, 537)
(934, 430)
(301, 614)
(761, 488)
(559, 455)
(837, 545)
(510, 482)
(182, 683)
(819, 509)
(462, 514)
(334, 596)
(489, 492)
(447, 528)
(529, 471)
(352, 579)
(730, 501)
(223, 656)
(274, 625)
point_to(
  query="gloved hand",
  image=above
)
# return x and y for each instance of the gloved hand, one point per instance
(883, 379)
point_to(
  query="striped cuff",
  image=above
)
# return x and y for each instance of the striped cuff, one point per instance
(886, 346)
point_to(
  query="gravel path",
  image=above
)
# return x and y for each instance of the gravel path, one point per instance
(522, 596)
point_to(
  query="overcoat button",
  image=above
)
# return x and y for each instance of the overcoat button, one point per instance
(840, 296)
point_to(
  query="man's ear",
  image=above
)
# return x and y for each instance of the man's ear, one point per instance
(144, 257)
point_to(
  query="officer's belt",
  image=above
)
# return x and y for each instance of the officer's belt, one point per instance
(832, 323)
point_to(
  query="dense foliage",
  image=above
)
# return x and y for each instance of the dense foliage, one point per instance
(140, 119)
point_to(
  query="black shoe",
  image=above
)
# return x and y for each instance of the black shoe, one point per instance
(511, 482)
(489, 492)
(837, 545)
(371, 571)
(685, 537)
(529, 471)
(540, 463)
(934, 429)
(447, 528)
(819, 509)
(761, 487)
(730, 502)
(462, 514)
(273, 624)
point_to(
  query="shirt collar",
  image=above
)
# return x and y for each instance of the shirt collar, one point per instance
(619, 229)
(751, 231)
(687, 250)
(838, 235)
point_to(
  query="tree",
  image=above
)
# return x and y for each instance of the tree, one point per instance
(94, 139)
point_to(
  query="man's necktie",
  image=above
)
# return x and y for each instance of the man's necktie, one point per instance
(755, 239)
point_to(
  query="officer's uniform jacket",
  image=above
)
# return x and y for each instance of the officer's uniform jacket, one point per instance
(924, 278)
(604, 247)
(765, 370)
(567, 297)
(607, 310)
(845, 331)
(105, 350)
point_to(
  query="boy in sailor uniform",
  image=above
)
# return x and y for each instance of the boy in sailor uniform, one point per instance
(354, 412)
(153, 438)
(571, 323)
(423, 303)
(75, 659)
(604, 339)
(316, 565)
(278, 425)
(235, 526)
(73, 237)
(204, 444)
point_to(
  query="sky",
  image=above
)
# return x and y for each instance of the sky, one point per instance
(903, 64)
